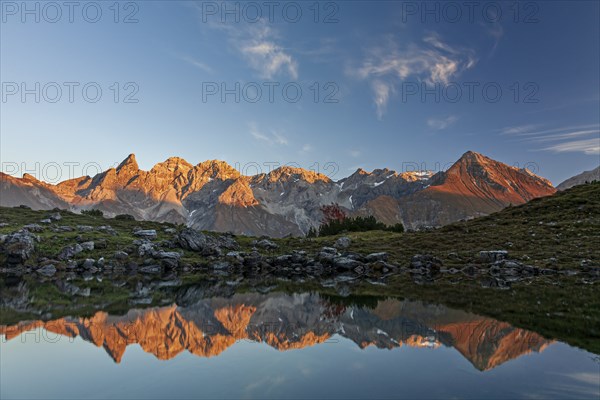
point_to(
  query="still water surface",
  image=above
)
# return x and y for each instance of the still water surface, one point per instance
(289, 346)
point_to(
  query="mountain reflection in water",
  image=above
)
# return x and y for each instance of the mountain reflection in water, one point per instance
(285, 322)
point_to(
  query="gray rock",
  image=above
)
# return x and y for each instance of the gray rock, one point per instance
(426, 262)
(70, 251)
(510, 264)
(191, 239)
(220, 265)
(33, 227)
(284, 260)
(227, 242)
(88, 263)
(100, 262)
(88, 246)
(146, 248)
(170, 230)
(346, 263)
(265, 244)
(146, 233)
(151, 269)
(19, 246)
(492, 256)
(343, 243)
(170, 262)
(46, 221)
(173, 255)
(47, 270)
(55, 217)
(330, 250)
(377, 257)
(85, 228)
(168, 258)
(253, 259)
(107, 229)
(120, 255)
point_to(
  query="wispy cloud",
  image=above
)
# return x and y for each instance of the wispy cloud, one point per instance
(306, 148)
(519, 129)
(574, 139)
(270, 138)
(561, 136)
(432, 61)
(354, 153)
(587, 146)
(496, 31)
(538, 129)
(441, 123)
(198, 64)
(381, 92)
(260, 45)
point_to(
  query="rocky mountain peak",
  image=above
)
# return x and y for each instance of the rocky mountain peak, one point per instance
(286, 173)
(177, 162)
(217, 169)
(29, 178)
(173, 164)
(128, 164)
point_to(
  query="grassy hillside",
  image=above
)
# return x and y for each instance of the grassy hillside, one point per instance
(558, 231)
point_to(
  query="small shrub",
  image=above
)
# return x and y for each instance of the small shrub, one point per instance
(356, 224)
(94, 212)
(125, 217)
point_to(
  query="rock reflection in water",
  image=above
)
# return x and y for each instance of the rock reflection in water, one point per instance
(209, 326)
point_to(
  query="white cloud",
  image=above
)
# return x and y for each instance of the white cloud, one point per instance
(272, 138)
(381, 92)
(576, 139)
(520, 129)
(306, 148)
(279, 139)
(587, 146)
(496, 31)
(560, 136)
(197, 64)
(432, 61)
(534, 130)
(259, 44)
(442, 123)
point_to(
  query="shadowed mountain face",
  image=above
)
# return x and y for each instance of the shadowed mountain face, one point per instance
(214, 196)
(208, 327)
(584, 177)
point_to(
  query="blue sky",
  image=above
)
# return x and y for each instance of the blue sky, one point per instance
(374, 59)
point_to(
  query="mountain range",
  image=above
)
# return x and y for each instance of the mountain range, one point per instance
(210, 326)
(214, 196)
